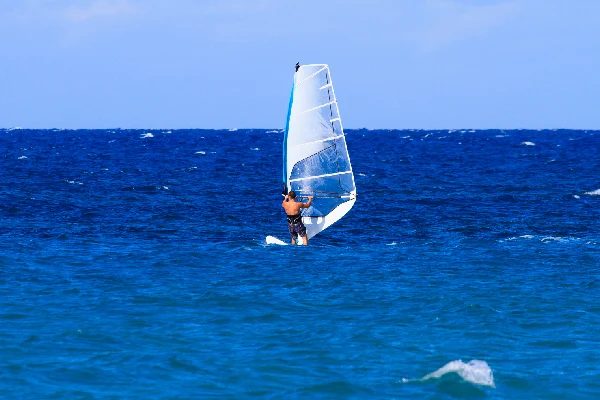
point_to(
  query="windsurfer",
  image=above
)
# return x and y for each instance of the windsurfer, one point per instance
(294, 218)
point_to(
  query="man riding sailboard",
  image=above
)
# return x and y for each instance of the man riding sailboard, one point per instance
(294, 217)
(315, 157)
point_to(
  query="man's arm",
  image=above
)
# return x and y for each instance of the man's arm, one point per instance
(307, 205)
(284, 200)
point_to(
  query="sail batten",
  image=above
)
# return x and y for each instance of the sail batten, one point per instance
(320, 176)
(316, 160)
(312, 76)
(313, 109)
(319, 141)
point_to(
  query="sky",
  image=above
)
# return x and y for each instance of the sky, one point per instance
(221, 64)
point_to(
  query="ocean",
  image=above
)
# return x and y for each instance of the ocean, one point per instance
(133, 265)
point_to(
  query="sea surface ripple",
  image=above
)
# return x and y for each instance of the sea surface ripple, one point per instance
(133, 265)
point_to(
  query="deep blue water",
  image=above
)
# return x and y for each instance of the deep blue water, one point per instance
(135, 267)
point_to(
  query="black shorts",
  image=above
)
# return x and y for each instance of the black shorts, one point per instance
(297, 229)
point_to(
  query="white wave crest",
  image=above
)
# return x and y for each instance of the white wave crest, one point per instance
(528, 144)
(547, 239)
(543, 239)
(255, 148)
(147, 135)
(200, 152)
(477, 372)
(594, 193)
(22, 157)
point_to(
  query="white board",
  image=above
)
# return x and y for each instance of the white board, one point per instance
(274, 240)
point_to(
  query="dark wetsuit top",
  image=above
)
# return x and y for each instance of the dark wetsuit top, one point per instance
(296, 226)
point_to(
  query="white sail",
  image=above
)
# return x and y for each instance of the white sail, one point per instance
(316, 160)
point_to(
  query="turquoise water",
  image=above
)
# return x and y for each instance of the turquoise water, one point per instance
(134, 266)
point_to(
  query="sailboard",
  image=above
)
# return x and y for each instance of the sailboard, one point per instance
(315, 156)
(274, 240)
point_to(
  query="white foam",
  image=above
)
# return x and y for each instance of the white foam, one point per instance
(403, 137)
(361, 174)
(576, 196)
(166, 187)
(518, 237)
(556, 239)
(255, 148)
(528, 144)
(200, 152)
(477, 372)
(391, 244)
(147, 135)
(233, 130)
(594, 193)
(22, 157)
(501, 135)
(274, 131)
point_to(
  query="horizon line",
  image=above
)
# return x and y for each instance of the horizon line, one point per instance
(281, 129)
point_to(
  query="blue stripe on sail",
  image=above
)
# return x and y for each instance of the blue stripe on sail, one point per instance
(285, 133)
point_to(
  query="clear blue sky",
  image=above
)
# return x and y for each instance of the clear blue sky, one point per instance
(229, 63)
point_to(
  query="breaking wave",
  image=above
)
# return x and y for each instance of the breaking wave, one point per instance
(476, 372)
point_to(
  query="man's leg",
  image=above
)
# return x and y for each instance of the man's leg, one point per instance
(303, 235)
(293, 240)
